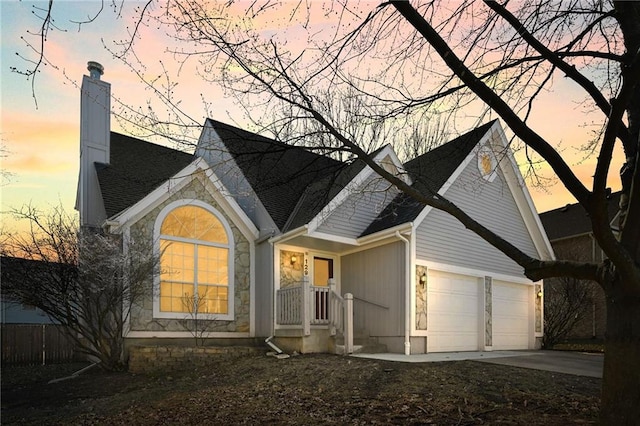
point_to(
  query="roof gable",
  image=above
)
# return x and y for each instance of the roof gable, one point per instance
(290, 181)
(196, 170)
(429, 172)
(136, 168)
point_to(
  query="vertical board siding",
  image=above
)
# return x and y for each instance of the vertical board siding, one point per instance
(441, 238)
(359, 209)
(378, 276)
(23, 344)
(264, 290)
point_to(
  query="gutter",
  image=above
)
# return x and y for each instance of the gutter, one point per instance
(385, 233)
(407, 295)
(289, 235)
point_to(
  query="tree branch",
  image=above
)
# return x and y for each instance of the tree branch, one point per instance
(494, 101)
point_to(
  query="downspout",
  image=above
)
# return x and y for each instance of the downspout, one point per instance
(407, 295)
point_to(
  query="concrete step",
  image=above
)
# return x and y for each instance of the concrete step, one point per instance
(376, 348)
(367, 345)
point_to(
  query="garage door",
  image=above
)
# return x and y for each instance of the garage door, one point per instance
(510, 316)
(452, 312)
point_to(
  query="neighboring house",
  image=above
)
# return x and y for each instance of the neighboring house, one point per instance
(272, 237)
(569, 230)
(13, 311)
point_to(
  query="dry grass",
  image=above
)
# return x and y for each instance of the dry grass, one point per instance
(308, 389)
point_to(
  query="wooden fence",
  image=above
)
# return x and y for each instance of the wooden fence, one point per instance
(32, 344)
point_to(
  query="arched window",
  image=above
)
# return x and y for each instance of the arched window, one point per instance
(196, 262)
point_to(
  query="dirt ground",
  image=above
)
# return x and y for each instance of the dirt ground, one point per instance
(307, 389)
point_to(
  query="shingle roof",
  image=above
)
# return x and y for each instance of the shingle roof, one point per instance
(429, 172)
(280, 174)
(572, 219)
(293, 183)
(17, 273)
(136, 168)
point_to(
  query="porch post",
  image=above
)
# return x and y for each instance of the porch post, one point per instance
(348, 323)
(332, 284)
(306, 306)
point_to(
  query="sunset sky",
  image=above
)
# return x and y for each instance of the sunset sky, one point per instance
(41, 141)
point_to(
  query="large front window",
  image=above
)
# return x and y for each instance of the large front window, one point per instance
(195, 264)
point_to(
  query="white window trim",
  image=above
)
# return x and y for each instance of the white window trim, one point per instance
(229, 316)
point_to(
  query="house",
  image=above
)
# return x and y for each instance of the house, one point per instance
(571, 236)
(15, 271)
(280, 242)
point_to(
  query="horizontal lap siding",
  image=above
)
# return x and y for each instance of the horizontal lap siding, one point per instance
(376, 275)
(355, 214)
(441, 238)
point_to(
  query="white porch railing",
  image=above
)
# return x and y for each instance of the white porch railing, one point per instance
(307, 305)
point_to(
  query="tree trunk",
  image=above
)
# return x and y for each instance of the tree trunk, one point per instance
(621, 376)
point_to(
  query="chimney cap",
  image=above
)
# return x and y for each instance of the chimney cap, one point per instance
(95, 69)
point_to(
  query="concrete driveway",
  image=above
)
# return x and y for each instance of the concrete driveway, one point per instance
(578, 363)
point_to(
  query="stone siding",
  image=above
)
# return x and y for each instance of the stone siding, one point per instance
(142, 314)
(150, 359)
(291, 273)
(421, 298)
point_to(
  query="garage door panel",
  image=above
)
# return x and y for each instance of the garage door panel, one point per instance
(511, 321)
(452, 315)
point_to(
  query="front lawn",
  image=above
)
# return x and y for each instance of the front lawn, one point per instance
(307, 389)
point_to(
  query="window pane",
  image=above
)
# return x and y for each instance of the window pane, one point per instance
(179, 222)
(176, 297)
(208, 227)
(213, 264)
(213, 299)
(177, 263)
(195, 223)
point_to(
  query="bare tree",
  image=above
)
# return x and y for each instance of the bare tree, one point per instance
(198, 321)
(496, 63)
(85, 281)
(5, 174)
(566, 302)
(473, 59)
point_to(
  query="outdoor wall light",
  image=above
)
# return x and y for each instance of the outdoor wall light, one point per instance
(540, 293)
(294, 259)
(423, 278)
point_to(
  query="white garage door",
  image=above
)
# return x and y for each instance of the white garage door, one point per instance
(510, 316)
(452, 312)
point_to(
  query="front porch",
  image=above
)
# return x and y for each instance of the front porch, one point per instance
(314, 318)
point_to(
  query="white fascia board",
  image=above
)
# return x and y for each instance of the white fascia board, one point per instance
(385, 233)
(522, 197)
(117, 222)
(302, 230)
(175, 184)
(389, 151)
(455, 269)
(355, 184)
(333, 238)
(457, 172)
